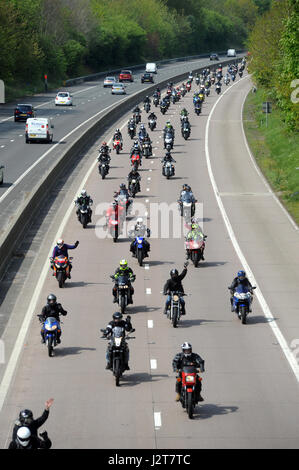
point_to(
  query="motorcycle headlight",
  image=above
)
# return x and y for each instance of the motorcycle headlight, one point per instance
(189, 378)
(176, 298)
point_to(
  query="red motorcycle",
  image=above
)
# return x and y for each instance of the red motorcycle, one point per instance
(188, 86)
(61, 268)
(169, 91)
(117, 145)
(136, 160)
(188, 397)
(195, 249)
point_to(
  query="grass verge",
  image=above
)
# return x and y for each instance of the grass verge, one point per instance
(275, 150)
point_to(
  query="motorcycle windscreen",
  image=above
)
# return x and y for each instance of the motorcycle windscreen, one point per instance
(118, 332)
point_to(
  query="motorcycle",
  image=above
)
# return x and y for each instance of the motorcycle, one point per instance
(242, 300)
(233, 77)
(51, 328)
(137, 117)
(197, 80)
(123, 290)
(140, 252)
(152, 124)
(168, 170)
(197, 108)
(125, 203)
(103, 169)
(168, 141)
(133, 187)
(146, 149)
(174, 310)
(187, 206)
(136, 160)
(61, 268)
(195, 249)
(240, 73)
(163, 108)
(132, 131)
(156, 101)
(84, 214)
(188, 396)
(218, 89)
(147, 107)
(226, 81)
(118, 348)
(188, 86)
(186, 130)
(114, 228)
(117, 145)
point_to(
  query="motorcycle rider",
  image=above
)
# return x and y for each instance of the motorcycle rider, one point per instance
(115, 212)
(134, 175)
(118, 136)
(84, 199)
(147, 100)
(149, 142)
(51, 309)
(174, 284)
(61, 249)
(187, 358)
(152, 116)
(140, 230)
(187, 189)
(127, 326)
(195, 233)
(26, 440)
(121, 271)
(168, 128)
(131, 123)
(242, 279)
(104, 148)
(26, 419)
(167, 158)
(183, 113)
(142, 132)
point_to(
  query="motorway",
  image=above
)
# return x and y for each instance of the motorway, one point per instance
(251, 381)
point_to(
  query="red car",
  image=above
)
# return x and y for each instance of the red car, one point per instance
(125, 75)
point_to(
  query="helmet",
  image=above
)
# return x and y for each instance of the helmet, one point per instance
(186, 348)
(122, 186)
(26, 416)
(123, 264)
(104, 143)
(117, 130)
(60, 242)
(139, 221)
(51, 299)
(117, 316)
(83, 192)
(23, 436)
(174, 273)
(142, 126)
(241, 275)
(114, 204)
(194, 226)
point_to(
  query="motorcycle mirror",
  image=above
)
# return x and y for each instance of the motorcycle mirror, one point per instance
(254, 287)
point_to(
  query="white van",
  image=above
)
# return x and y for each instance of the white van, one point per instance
(38, 129)
(151, 68)
(231, 53)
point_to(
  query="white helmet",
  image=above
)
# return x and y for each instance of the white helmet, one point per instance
(23, 436)
(187, 349)
(139, 221)
(83, 193)
(60, 242)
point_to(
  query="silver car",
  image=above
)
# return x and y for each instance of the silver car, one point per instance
(109, 81)
(118, 89)
(1, 174)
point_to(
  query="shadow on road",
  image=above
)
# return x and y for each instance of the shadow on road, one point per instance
(61, 352)
(207, 264)
(138, 378)
(158, 263)
(210, 410)
(258, 319)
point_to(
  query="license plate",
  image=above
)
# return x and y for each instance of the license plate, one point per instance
(32, 135)
(23, 114)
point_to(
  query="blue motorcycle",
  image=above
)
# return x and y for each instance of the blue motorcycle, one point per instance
(242, 300)
(140, 249)
(51, 327)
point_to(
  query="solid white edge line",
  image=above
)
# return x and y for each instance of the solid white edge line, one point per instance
(267, 312)
(259, 172)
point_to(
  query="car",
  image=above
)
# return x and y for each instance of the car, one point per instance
(38, 129)
(118, 89)
(109, 81)
(1, 174)
(125, 75)
(63, 98)
(147, 77)
(214, 56)
(231, 53)
(23, 111)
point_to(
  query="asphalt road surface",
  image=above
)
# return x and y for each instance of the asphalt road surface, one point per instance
(249, 387)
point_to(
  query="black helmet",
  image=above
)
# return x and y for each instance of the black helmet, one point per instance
(174, 273)
(26, 417)
(122, 186)
(51, 299)
(117, 316)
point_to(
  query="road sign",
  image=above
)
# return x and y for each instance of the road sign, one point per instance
(267, 107)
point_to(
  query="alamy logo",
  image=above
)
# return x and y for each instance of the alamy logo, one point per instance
(295, 93)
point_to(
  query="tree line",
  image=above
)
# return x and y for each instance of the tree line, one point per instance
(67, 38)
(274, 47)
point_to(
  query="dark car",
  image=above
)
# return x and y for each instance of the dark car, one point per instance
(23, 112)
(147, 77)
(214, 56)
